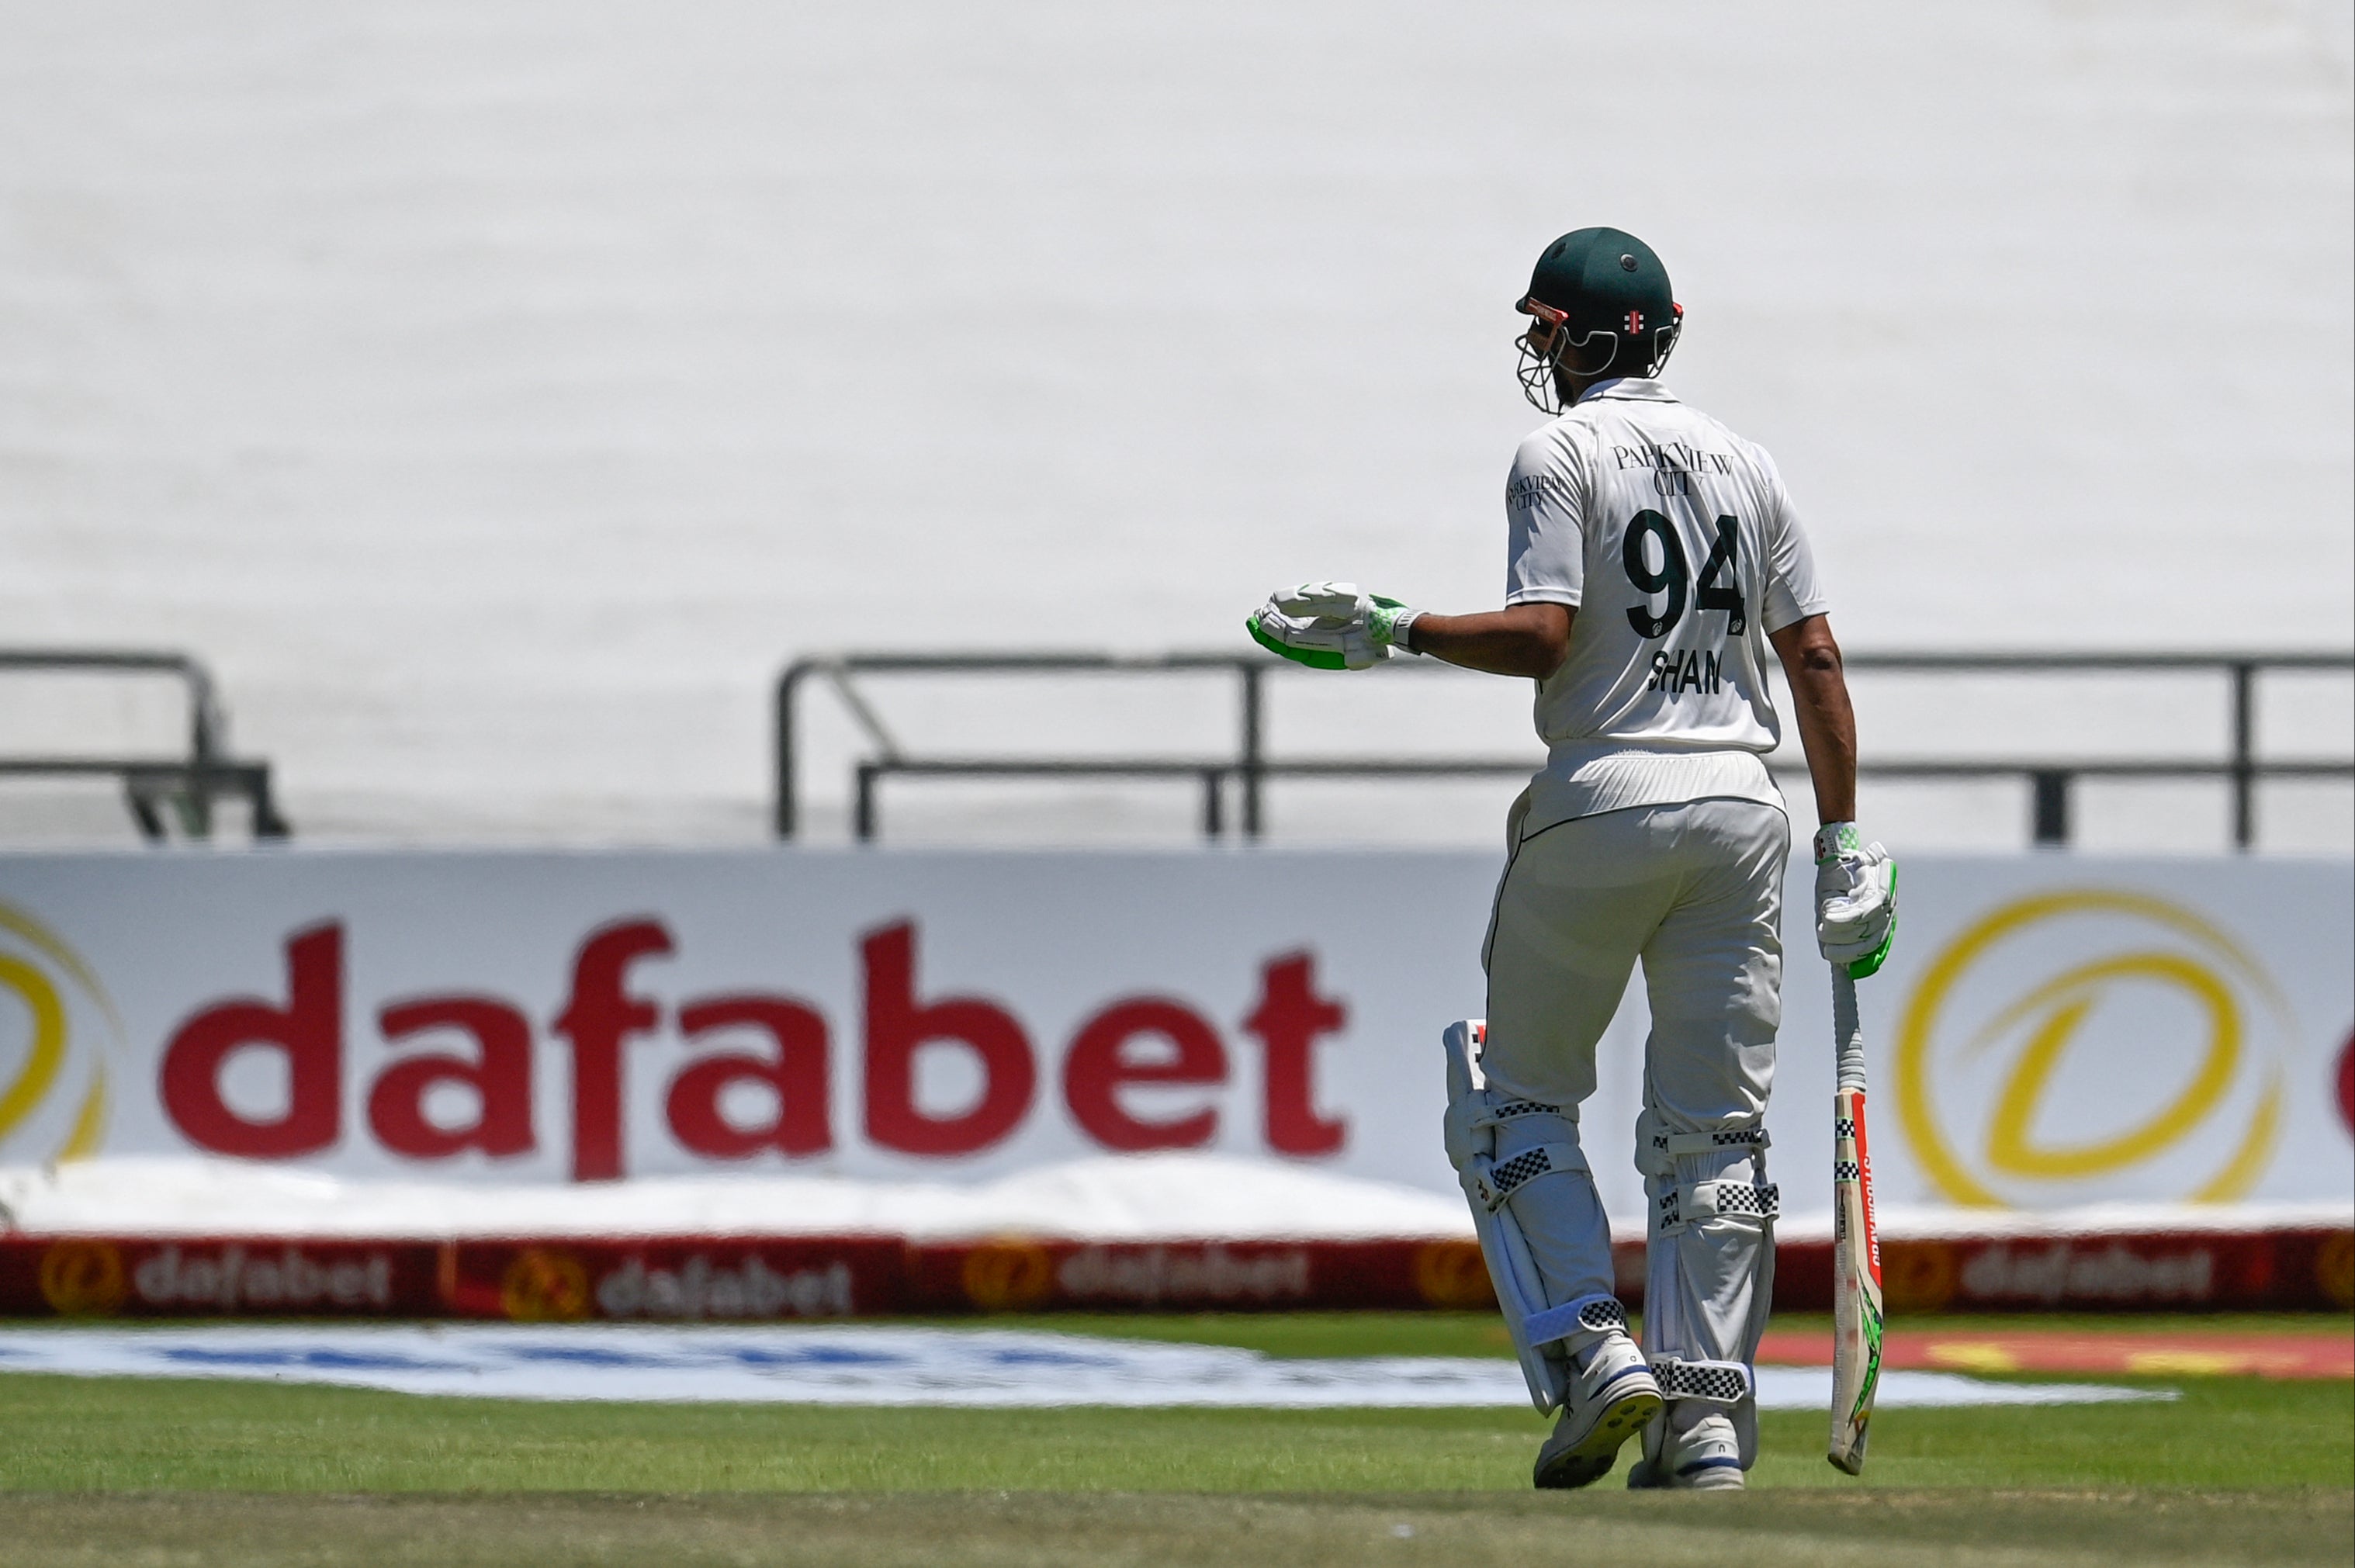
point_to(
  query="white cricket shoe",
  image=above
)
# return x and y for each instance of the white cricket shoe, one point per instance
(1611, 1399)
(1704, 1458)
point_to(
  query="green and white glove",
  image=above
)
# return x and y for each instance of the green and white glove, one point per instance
(1331, 626)
(1855, 898)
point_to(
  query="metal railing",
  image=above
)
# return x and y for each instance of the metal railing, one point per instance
(155, 789)
(2053, 780)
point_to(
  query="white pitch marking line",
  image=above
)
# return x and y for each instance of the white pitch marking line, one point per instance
(872, 1365)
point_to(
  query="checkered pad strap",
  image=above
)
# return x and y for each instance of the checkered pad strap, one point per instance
(1506, 1110)
(1707, 1199)
(1669, 1144)
(1765, 1201)
(1499, 1180)
(1587, 1314)
(1711, 1382)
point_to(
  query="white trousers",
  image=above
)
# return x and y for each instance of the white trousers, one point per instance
(1695, 891)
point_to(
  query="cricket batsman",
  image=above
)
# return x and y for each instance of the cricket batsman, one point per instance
(1652, 559)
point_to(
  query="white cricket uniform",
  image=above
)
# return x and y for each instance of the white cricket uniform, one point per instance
(1655, 832)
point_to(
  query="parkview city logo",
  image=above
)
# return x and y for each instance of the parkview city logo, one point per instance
(2166, 1038)
(58, 1032)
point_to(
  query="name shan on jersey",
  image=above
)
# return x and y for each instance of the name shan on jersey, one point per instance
(1678, 670)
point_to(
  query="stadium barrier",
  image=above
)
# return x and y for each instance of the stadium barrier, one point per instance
(161, 792)
(816, 1278)
(1246, 772)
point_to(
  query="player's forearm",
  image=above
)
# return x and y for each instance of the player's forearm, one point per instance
(1827, 733)
(1811, 661)
(1522, 639)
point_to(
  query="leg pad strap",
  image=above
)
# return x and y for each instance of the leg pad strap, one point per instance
(1587, 1314)
(1495, 1180)
(1694, 1201)
(1661, 1151)
(1712, 1383)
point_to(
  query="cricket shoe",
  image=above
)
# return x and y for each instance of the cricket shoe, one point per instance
(1612, 1398)
(1704, 1458)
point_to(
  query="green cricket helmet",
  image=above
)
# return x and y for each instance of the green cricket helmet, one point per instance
(1598, 287)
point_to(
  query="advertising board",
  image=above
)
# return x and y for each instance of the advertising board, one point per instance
(2053, 1031)
(794, 1278)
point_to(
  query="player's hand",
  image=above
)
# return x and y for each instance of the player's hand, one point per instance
(1330, 625)
(1855, 898)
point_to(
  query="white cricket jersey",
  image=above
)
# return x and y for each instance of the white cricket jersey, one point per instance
(1673, 539)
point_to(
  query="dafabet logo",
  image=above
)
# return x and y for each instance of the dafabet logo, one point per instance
(58, 1033)
(2091, 1045)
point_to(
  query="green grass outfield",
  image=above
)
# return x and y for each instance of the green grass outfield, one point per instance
(124, 1471)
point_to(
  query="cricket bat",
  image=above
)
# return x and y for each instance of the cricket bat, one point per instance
(1856, 1244)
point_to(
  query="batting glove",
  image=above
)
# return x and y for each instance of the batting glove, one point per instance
(1855, 898)
(1331, 626)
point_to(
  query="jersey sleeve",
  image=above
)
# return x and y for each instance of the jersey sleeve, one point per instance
(1545, 515)
(1793, 592)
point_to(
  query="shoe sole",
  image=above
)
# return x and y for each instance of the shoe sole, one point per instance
(1713, 1478)
(1717, 1478)
(1589, 1459)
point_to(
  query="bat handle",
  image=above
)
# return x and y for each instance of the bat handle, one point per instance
(1847, 1032)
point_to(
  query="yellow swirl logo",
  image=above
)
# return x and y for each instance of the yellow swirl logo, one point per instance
(545, 1284)
(58, 1030)
(1452, 1274)
(2092, 1045)
(83, 1279)
(1008, 1276)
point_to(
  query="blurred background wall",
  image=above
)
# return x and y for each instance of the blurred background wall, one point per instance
(499, 393)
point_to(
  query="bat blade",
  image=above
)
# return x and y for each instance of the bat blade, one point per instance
(1857, 1309)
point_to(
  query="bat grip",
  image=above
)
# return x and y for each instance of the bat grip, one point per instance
(1848, 1032)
